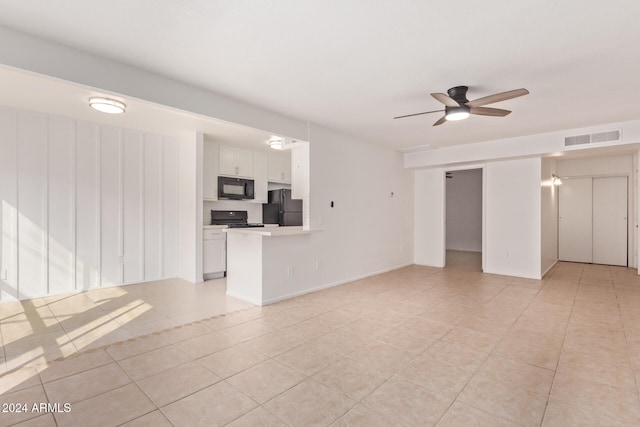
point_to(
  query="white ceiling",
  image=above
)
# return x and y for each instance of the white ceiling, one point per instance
(352, 65)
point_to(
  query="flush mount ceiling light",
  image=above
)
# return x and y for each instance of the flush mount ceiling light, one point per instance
(275, 142)
(107, 105)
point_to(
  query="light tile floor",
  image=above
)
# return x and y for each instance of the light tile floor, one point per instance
(413, 347)
(464, 260)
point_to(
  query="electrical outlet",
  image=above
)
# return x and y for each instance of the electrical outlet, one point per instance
(508, 254)
(317, 265)
(289, 271)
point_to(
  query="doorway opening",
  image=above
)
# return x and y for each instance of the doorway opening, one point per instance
(463, 219)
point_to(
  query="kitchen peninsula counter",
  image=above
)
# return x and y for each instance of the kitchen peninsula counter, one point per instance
(270, 231)
(265, 265)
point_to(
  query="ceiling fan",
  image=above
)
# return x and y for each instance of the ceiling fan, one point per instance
(458, 107)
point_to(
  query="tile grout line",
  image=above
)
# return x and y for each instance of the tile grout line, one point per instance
(564, 337)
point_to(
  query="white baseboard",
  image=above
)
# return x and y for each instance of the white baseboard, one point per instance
(245, 298)
(550, 267)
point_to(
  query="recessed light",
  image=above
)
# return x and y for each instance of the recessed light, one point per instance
(107, 105)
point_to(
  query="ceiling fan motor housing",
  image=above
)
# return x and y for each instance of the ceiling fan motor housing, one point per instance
(459, 94)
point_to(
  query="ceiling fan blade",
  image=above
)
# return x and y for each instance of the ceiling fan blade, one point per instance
(485, 111)
(441, 121)
(445, 99)
(418, 114)
(498, 97)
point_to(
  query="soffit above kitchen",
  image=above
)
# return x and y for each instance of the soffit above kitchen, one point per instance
(354, 65)
(34, 92)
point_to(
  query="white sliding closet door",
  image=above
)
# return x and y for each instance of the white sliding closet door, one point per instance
(592, 224)
(575, 220)
(610, 221)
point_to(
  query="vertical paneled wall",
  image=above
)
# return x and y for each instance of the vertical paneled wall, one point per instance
(32, 202)
(61, 202)
(87, 206)
(83, 205)
(9, 200)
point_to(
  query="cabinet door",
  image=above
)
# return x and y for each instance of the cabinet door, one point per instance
(280, 167)
(227, 161)
(236, 161)
(215, 255)
(244, 163)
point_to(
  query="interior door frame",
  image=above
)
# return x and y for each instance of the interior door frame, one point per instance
(443, 243)
(631, 200)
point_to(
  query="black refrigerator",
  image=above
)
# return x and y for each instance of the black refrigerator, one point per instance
(282, 209)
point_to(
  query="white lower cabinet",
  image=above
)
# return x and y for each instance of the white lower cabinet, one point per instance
(214, 251)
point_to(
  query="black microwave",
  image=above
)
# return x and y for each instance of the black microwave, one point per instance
(235, 188)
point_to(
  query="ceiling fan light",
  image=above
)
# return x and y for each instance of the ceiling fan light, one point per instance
(457, 113)
(107, 105)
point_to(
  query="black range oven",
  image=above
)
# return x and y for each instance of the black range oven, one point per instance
(232, 219)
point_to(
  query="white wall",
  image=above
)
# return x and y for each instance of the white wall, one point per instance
(513, 211)
(369, 229)
(190, 207)
(464, 210)
(75, 214)
(549, 216)
(428, 230)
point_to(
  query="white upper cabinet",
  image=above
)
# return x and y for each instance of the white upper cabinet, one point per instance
(236, 162)
(280, 166)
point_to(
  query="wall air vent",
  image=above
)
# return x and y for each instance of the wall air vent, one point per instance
(591, 138)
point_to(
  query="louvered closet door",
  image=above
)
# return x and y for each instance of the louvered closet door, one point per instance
(610, 221)
(575, 220)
